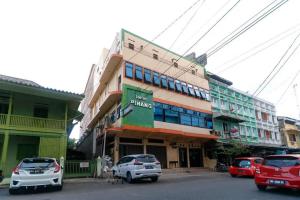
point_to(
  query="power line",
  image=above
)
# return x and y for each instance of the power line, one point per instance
(254, 53)
(169, 26)
(211, 48)
(202, 36)
(270, 11)
(288, 87)
(204, 24)
(210, 28)
(216, 23)
(279, 68)
(178, 36)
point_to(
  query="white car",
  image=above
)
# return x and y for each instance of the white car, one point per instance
(138, 166)
(36, 172)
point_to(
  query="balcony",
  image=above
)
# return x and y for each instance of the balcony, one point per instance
(28, 123)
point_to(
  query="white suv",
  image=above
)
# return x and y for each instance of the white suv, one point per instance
(138, 166)
(36, 172)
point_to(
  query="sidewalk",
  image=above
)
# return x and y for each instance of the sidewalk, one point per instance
(166, 173)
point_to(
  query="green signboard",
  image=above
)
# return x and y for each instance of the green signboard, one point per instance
(140, 101)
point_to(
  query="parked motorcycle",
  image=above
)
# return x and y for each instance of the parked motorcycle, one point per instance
(221, 167)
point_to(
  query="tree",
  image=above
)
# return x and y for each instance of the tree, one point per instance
(71, 143)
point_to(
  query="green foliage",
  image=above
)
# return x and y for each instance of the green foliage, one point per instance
(71, 143)
(234, 149)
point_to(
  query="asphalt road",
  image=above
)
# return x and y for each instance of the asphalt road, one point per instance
(206, 187)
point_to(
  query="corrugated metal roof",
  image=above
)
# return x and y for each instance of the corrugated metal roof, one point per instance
(32, 84)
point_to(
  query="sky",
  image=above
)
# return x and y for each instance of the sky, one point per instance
(55, 43)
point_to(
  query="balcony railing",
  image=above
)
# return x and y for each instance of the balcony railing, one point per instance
(31, 123)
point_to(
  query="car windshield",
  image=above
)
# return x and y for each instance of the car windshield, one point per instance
(242, 163)
(37, 163)
(281, 161)
(146, 159)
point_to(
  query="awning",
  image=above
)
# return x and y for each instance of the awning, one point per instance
(162, 131)
(227, 117)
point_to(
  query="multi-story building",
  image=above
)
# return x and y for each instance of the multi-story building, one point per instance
(266, 122)
(290, 132)
(240, 116)
(147, 99)
(34, 121)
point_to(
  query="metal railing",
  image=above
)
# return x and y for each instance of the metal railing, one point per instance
(20, 121)
(74, 169)
(3, 118)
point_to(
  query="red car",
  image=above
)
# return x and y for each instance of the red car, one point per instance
(244, 166)
(279, 171)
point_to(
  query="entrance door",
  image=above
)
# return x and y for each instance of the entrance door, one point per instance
(160, 153)
(126, 149)
(196, 157)
(183, 157)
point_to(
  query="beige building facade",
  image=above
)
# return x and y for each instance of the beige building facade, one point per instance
(143, 98)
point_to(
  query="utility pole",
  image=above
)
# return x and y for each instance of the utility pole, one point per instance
(297, 100)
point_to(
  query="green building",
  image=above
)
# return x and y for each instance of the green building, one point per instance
(233, 112)
(34, 121)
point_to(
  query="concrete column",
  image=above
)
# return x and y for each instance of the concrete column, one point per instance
(94, 142)
(144, 146)
(188, 155)
(116, 150)
(4, 151)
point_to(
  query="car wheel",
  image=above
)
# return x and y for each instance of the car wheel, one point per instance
(13, 191)
(233, 175)
(261, 187)
(154, 179)
(128, 177)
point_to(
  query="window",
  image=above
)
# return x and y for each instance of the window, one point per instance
(207, 95)
(178, 115)
(131, 46)
(138, 73)
(119, 112)
(178, 86)
(171, 83)
(185, 119)
(191, 90)
(147, 76)
(184, 88)
(155, 56)
(40, 111)
(156, 79)
(292, 137)
(197, 93)
(208, 122)
(129, 70)
(202, 93)
(171, 116)
(202, 122)
(163, 81)
(195, 121)
(119, 83)
(158, 114)
(113, 117)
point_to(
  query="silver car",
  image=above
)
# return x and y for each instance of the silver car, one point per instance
(36, 172)
(138, 166)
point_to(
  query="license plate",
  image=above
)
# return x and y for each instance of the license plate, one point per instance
(148, 167)
(276, 182)
(37, 171)
(240, 170)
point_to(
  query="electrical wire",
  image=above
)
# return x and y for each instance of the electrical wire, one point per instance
(254, 53)
(243, 24)
(169, 26)
(178, 36)
(279, 69)
(288, 87)
(270, 11)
